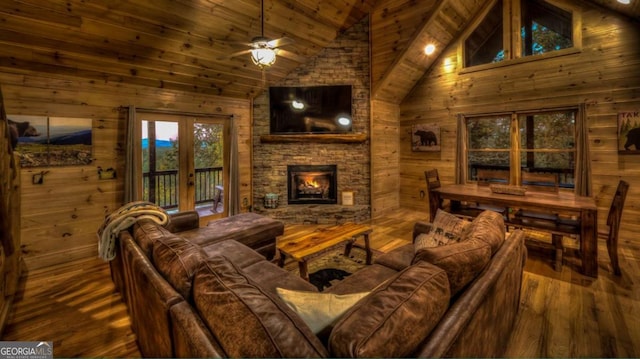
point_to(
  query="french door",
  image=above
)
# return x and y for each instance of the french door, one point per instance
(184, 161)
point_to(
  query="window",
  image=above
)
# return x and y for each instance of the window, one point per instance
(541, 142)
(489, 143)
(544, 28)
(538, 28)
(485, 44)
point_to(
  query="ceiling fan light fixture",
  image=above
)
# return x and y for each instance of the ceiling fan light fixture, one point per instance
(263, 57)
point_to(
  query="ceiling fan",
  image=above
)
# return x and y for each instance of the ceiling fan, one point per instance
(263, 50)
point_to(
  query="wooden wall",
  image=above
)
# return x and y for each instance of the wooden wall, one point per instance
(385, 159)
(61, 216)
(10, 255)
(604, 75)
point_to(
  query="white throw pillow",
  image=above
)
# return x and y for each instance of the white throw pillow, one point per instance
(446, 228)
(319, 310)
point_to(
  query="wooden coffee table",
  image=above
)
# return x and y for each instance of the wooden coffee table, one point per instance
(322, 240)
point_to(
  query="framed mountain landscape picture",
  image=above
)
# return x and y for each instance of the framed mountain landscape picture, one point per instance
(52, 141)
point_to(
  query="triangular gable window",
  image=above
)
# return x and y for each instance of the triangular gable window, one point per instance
(540, 28)
(485, 44)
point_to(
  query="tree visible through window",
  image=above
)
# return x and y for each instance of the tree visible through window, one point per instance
(542, 28)
(545, 142)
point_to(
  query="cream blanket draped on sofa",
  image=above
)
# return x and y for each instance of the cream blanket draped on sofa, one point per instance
(123, 218)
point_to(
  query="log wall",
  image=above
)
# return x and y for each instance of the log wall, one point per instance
(10, 255)
(385, 174)
(604, 75)
(60, 217)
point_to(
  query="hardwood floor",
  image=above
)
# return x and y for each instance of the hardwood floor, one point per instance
(563, 314)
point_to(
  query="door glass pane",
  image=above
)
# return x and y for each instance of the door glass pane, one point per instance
(208, 155)
(160, 163)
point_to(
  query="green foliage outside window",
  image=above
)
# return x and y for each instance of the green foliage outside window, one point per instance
(546, 142)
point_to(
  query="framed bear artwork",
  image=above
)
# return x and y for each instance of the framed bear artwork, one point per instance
(425, 138)
(629, 132)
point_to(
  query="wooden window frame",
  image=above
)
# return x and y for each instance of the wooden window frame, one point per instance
(515, 149)
(512, 39)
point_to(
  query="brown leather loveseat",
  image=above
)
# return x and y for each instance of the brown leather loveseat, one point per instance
(222, 299)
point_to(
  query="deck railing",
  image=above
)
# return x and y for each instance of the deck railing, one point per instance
(565, 176)
(163, 190)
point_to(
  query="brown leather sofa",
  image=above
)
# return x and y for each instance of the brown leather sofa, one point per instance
(220, 300)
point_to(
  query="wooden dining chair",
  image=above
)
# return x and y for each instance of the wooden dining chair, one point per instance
(433, 182)
(613, 221)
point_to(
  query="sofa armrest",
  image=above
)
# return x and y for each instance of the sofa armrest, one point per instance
(183, 221)
(419, 228)
(479, 322)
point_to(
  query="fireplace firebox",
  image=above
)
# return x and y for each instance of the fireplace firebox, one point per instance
(312, 184)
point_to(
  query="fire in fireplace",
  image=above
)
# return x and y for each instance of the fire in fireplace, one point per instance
(309, 184)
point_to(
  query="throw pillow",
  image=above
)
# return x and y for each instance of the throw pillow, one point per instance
(488, 227)
(462, 261)
(446, 228)
(319, 310)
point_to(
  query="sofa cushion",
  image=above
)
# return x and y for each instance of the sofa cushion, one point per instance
(146, 232)
(250, 229)
(364, 280)
(232, 305)
(269, 276)
(177, 260)
(462, 261)
(488, 227)
(392, 320)
(319, 310)
(241, 255)
(398, 259)
(446, 229)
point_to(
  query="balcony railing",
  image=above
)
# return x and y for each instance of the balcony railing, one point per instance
(163, 190)
(565, 176)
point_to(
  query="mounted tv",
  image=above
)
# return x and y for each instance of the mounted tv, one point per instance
(310, 109)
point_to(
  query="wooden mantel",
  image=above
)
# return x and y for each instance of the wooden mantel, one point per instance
(315, 137)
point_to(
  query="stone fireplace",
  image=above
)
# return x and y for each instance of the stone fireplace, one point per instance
(312, 184)
(344, 62)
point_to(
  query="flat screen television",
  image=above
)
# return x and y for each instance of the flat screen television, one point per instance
(310, 109)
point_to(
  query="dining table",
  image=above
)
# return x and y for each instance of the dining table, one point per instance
(582, 209)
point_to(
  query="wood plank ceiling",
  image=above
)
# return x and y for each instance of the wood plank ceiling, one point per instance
(184, 44)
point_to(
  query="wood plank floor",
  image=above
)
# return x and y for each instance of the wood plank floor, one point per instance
(563, 314)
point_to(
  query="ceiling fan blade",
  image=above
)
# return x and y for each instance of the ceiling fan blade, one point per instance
(292, 56)
(238, 53)
(281, 42)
